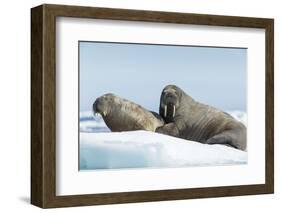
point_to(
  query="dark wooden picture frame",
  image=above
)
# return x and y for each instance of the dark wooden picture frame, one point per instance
(43, 105)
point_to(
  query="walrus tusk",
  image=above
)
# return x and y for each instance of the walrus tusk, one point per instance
(165, 110)
(174, 110)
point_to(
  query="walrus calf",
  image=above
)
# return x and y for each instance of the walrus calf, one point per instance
(188, 119)
(122, 115)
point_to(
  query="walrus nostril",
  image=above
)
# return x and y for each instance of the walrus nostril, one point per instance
(168, 95)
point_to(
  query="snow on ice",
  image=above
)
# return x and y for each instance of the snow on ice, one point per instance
(102, 149)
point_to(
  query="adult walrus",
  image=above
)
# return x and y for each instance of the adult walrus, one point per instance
(188, 119)
(123, 115)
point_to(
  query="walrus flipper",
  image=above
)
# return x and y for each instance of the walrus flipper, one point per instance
(221, 140)
(228, 138)
(168, 129)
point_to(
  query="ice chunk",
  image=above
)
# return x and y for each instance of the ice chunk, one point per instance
(142, 149)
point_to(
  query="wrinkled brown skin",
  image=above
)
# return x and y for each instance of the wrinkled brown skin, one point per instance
(199, 122)
(123, 115)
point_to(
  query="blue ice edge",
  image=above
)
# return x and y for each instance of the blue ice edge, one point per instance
(143, 149)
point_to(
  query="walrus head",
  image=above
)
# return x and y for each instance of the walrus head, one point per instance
(102, 104)
(169, 102)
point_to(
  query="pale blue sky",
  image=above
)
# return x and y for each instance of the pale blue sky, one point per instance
(139, 72)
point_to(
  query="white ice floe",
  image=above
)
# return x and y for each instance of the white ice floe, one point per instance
(102, 149)
(142, 149)
(91, 123)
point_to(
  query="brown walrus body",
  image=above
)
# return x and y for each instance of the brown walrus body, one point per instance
(188, 119)
(122, 115)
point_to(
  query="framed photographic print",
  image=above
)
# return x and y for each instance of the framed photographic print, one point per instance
(136, 106)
